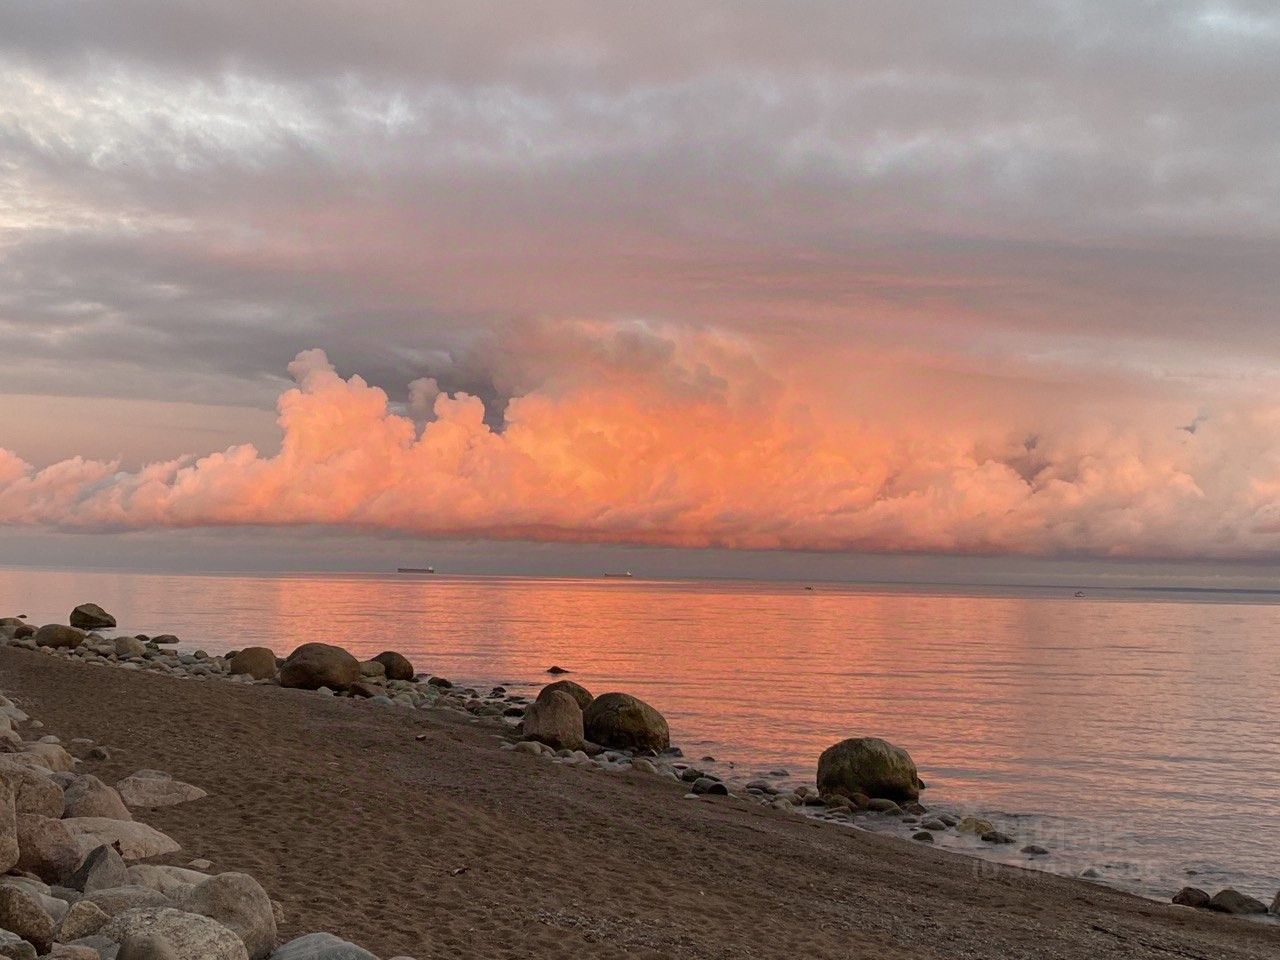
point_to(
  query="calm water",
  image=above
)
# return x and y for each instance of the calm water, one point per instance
(1134, 734)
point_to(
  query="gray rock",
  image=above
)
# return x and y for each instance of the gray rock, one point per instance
(1233, 901)
(36, 791)
(884, 805)
(46, 847)
(239, 903)
(1192, 897)
(995, 836)
(101, 869)
(321, 946)
(126, 647)
(90, 616)
(924, 836)
(8, 820)
(84, 919)
(150, 788)
(256, 662)
(90, 797)
(147, 946)
(135, 841)
(116, 900)
(20, 913)
(1035, 850)
(14, 947)
(191, 936)
(710, 787)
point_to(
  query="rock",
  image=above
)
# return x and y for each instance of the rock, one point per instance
(135, 841)
(15, 948)
(1232, 901)
(126, 647)
(366, 691)
(641, 765)
(1192, 897)
(47, 847)
(372, 670)
(626, 722)
(8, 820)
(173, 882)
(239, 903)
(396, 665)
(84, 919)
(575, 690)
(995, 836)
(924, 836)
(101, 869)
(440, 683)
(710, 787)
(90, 797)
(191, 936)
(974, 825)
(90, 616)
(147, 946)
(164, 639)
(256, 662)
(58, 637)
(321, 946)
(884, 805)
(316, 665)
(556, 669)
(51, 756)
(1035, 850)
(21, 914)
(871, 766)
(934, 824)
(150, 788)
(555, 721)
(116, 900)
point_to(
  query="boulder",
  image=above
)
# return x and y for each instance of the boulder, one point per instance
(116, 900)
(555, 721)
(8, 821)
(150, 788)
(51, 756)
(256, 662)
(164, 639)
(396, 665)
(316, 665)
(625, 722)
(238, 902)
(173, 882)
(1192, 897)
(576, 690)
(974, 825)
(46, 847)
(21, 914)
(102, 869)
(372, 670)
(59, 637)
(127, 647)
(90, 797)
(14, 947)
(191, 936)
(1233, 901)
(147, 946)
(84, 919)
(870, 766)
(90, 616)
(135, 841)
(321, 946)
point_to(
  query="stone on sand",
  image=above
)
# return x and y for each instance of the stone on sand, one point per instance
(90, 616)
(555, 721)
(20, 913)
(1192, 897)
(59, 637)
(316, 665)
(626, 722)
(84, 919)
(575, 690)
(8, 820)
(135, 841)
(126, 647)
(870, 766)
(238, 902)
(51, 756)
(101, 869)
(396, 665)
(321, 946)
(116, 900)
(1233, 901)
(90, 797)
(151, 788)
(46, 847)
(191, 936)
(14, 947)
(256, 662)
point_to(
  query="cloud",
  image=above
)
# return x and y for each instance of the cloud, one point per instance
(665, 437)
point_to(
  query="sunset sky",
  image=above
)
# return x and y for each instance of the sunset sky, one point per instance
(310, 283)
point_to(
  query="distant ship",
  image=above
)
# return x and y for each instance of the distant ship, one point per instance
(415, 569)
(625, 573)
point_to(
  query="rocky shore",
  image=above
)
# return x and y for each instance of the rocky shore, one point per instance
(82, 855)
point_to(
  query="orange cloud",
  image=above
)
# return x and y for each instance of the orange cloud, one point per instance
(695, 441)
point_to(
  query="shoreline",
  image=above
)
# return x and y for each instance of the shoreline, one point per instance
(548, 838)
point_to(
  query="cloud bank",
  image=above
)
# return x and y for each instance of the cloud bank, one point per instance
(660, 437)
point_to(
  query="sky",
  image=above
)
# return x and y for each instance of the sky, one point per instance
(699, 287)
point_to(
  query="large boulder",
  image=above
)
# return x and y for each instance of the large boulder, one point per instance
(625, 722)
(396, 665)
(46, 847)
(135, 841)
(238, 902)
(8, 821)
(576, 690)
(34, 791)
(1233, 901)
(151, 788)
(555, 721)
(116, 900)
(84, 919)
(90, 616)
(256, 662)
(51, 756)
(321, 946)
(127, 647)
(870, 766)
(102, 869)
(20, 913)
(58, 636)
(316, 665)
(90, 797)
(191, 936)
(173, 882)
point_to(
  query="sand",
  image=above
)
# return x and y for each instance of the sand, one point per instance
(450, 846)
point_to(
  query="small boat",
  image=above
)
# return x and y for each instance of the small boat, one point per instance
(624, 574)
(415, 569)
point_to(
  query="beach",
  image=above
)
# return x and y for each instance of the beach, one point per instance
(412, 832)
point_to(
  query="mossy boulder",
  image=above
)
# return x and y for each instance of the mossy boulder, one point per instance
(870, 766)
(625, 722)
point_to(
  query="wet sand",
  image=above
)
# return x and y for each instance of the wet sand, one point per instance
(449, 846)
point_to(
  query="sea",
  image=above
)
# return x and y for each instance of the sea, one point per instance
(1134, 734)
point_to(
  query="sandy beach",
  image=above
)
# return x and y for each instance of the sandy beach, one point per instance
(412, 832)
